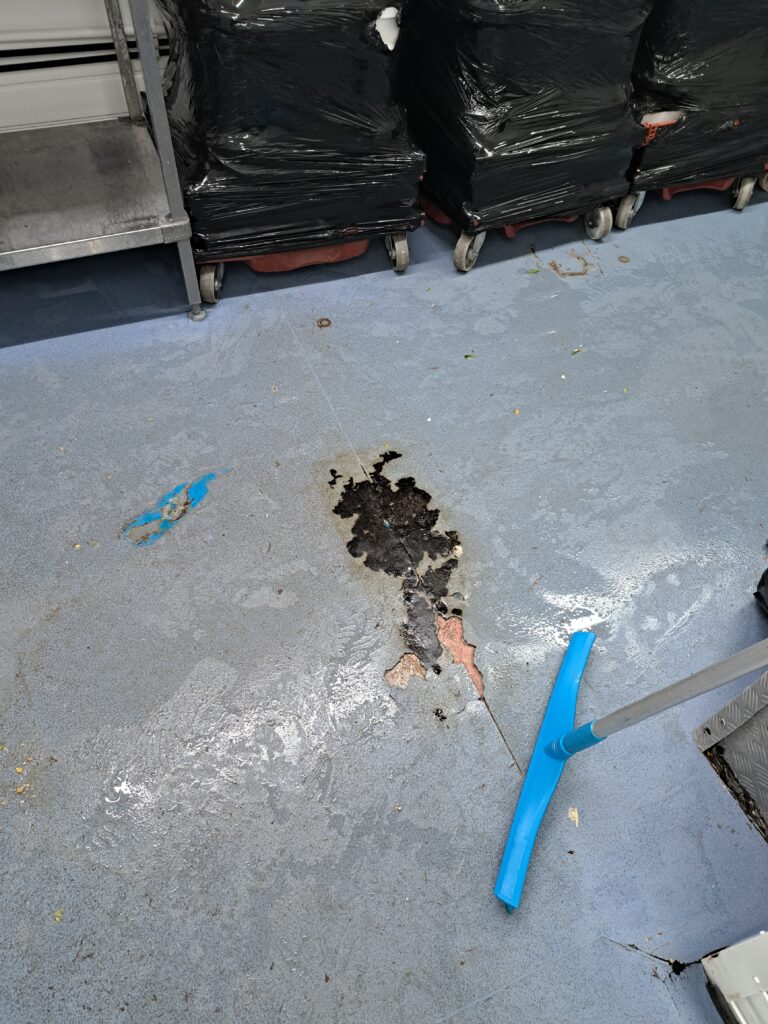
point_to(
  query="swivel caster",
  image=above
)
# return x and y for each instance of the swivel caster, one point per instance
(397, 249)
(742, 192)
(627, 209)
(467, 250)
(211, 276)
(598, 222)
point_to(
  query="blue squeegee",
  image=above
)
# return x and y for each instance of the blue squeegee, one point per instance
(558, 741)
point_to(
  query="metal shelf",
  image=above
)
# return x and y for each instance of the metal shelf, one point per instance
(80, 189)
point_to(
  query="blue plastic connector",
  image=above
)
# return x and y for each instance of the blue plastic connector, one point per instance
(570, 744)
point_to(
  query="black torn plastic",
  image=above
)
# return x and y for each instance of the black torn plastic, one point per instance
(522, 106)
(284, 126)
(703, 65)
(761, 594)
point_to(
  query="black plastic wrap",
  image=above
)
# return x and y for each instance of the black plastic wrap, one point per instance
(761, 594)
(707, 59)
(522, 106)
(284, 125)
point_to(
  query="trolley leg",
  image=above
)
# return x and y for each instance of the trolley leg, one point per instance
(196, 311)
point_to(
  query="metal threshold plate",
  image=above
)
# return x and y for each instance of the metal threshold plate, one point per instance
(77, 190)
(736, 742)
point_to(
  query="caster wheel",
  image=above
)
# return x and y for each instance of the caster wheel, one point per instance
(762, 181)
(598, 222)
(467, 250)
(397, 250)
(627, 209)
(211, 275)
(742, 192)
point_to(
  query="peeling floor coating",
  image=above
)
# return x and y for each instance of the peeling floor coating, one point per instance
(408, 667)
(167, 511)
(230, 814)
(450, 633)
(395, 531)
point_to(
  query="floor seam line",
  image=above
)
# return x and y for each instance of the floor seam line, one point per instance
(326, 396)
(503, 737)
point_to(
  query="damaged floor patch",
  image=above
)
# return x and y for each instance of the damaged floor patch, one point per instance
(394, 532)
(406, 669)
(167, 511)
(450, 633)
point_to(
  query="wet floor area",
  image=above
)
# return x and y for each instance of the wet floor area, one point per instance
(246, 771)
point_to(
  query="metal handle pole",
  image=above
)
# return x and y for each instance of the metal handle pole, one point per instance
(587, 735)
(748, 660)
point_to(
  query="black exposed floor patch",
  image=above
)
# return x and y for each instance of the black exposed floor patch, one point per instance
(394, 531)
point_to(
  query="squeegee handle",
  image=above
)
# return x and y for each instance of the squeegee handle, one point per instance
(748, 660)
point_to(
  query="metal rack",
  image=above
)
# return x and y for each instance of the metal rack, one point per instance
(102, 186)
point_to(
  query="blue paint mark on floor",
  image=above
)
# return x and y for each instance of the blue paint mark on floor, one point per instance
(167, 511)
